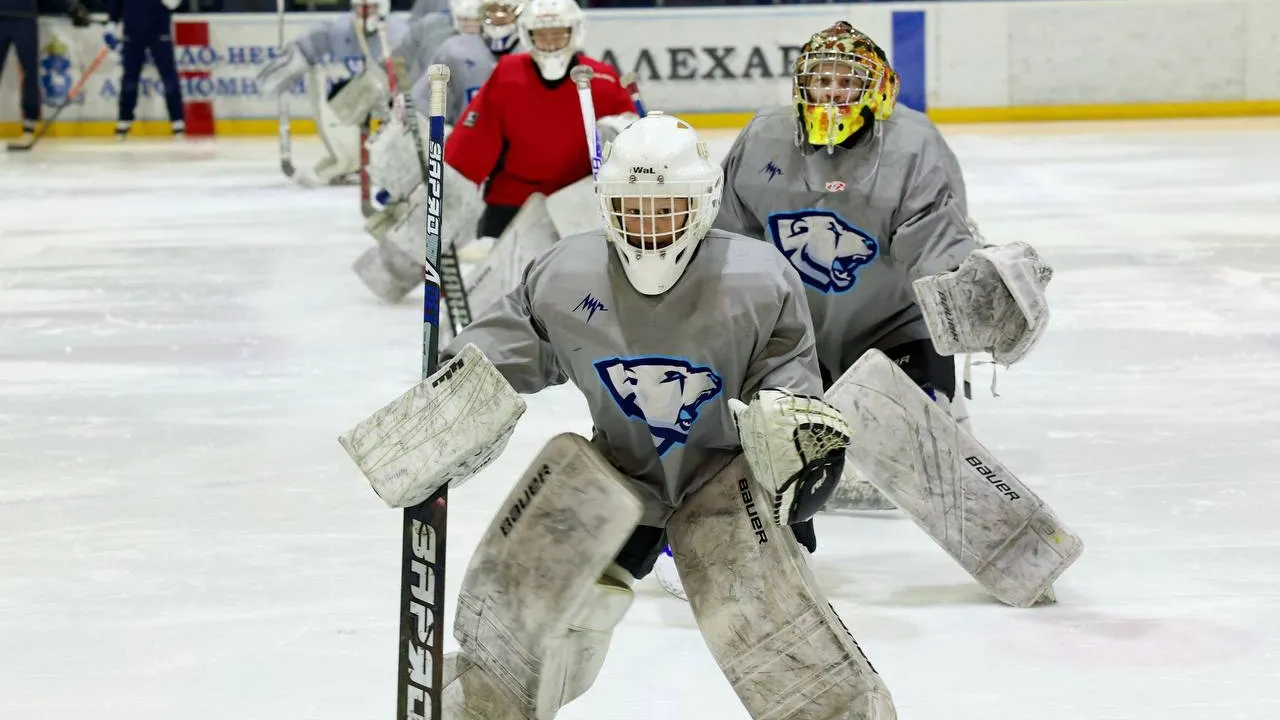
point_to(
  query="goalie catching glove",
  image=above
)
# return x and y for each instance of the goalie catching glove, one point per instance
(994, 302)
(794, 445)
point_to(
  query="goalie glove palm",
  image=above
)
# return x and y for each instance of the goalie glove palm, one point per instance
(795, 446)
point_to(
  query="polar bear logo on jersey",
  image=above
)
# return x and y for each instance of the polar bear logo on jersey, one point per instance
(663, 392)
(824, 248)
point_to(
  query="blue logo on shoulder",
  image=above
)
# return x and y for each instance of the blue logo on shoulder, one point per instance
(772, 170)
(827, 250)
(663, 392)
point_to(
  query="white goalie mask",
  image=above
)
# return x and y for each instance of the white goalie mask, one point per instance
(370, 13)
(551, 30)
(466, 16)
(659, 192)
(498, 23)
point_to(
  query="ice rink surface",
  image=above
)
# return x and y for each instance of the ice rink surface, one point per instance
(181, 341)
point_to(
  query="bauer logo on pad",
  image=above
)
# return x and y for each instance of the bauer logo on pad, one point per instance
(663, 392)
(827, 250)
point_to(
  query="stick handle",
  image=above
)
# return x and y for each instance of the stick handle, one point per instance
(631, 82)
(582, 76)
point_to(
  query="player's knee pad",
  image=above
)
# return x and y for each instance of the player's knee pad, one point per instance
(537, 605)
(776, 638)
(951, 486)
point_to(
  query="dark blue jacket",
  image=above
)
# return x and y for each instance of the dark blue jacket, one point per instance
(29, 9)
(141, 17)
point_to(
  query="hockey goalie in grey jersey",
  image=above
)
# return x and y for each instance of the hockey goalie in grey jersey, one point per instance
(866, 201)
(427, 33)
(694, 352)
(470, 58)
(354, 43)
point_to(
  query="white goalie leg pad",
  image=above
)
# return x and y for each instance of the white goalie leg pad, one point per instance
(575, 208)
(954, 489)
(342, 141)
(856, 493)
(443, 430)
(762, 614)
(538, 603)
(380, 281)
(360, 96)
(529, 234)
(993, 303)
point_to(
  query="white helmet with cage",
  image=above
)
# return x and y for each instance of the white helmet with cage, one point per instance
(551, 30)
(498, 20)
(370, 13)
(466, 16)
(659, 193)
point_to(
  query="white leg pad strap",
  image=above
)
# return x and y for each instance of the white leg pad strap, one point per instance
(536, 608)
(954, 489)
(762, 614)
(443, 430)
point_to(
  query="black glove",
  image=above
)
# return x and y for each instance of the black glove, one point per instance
(78, 13)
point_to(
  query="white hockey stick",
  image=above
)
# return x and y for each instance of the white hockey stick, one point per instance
(582, 78)
(284, 133)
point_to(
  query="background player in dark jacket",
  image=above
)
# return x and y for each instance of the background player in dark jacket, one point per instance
(147, 26)
(18, 28)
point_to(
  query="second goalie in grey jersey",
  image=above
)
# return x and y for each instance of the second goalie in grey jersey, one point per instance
(861, 197)
(659, 321)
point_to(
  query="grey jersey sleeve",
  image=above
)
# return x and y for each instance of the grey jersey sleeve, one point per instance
(789, 357)
(321, 41)
(514, 341)
(420, 43)
(931, 230)
(734, 215)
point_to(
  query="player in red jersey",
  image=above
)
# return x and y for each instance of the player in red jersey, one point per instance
(522, 133)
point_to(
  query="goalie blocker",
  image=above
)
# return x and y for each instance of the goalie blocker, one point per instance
(951, 486)
(442, 430)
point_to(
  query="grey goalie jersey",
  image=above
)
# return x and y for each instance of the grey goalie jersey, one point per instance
(424, 38)
(859, 226)
(336, 41)
(657, 371)
(470, 63)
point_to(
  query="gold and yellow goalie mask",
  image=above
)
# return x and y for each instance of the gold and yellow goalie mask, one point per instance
(842, 82)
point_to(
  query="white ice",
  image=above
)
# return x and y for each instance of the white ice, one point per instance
(181, 341)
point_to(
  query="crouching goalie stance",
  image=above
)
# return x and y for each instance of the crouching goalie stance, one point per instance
(694, 351)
